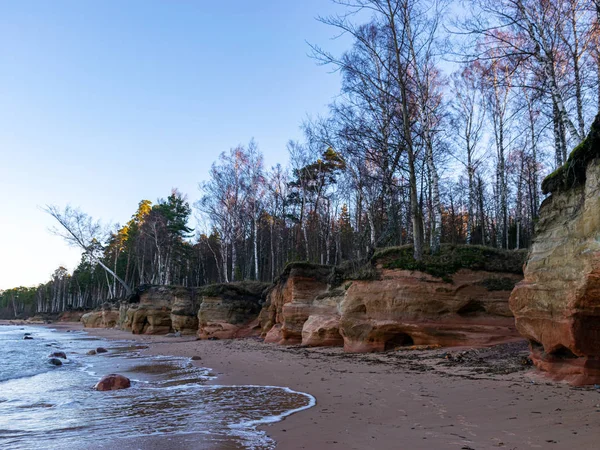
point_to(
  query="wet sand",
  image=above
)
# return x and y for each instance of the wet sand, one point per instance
(424, 399)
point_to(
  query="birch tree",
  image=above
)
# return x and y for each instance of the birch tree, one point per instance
(468, 120)
(80, 230)
(523, 30)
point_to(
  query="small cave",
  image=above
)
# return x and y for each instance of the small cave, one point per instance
(471, 308)
(563, 352)
(359, 309)
(398, 340)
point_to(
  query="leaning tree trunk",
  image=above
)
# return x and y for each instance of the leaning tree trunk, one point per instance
(563, 116)
(125, 285)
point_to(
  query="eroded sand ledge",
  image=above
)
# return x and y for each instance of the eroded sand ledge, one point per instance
(395, 400)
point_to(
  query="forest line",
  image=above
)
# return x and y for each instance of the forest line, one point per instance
(407, 155)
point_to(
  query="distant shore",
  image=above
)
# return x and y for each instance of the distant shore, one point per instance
(425, 399)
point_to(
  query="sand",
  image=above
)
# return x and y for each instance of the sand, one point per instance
(423, 399)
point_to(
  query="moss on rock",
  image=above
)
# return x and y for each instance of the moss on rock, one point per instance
(306, 269)
(451, 259)
(572, 172)
(235, 289)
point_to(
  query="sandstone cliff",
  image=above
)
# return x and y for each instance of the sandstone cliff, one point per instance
(163, 309)
(557, 305)
(292, 300)
(457, 298)
(231, 310)
(106, 317)
(221, 311)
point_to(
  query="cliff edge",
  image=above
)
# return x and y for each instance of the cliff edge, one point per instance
(557, 305)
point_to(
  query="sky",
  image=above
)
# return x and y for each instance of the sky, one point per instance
(106, 103)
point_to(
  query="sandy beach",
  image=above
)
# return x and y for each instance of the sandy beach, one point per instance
(420, 399)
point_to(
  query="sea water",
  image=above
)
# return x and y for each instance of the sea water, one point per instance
(48, 407)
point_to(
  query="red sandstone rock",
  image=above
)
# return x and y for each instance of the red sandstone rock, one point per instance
(322, 331)
(273, 336)
(292, 301)
(107, 317)
(231, 310)
(409, 307)
(112, 382)
(71, 316)
(402, 308)
(557, 305)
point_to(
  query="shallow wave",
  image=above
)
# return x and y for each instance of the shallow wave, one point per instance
(312, 401)
(170, 396)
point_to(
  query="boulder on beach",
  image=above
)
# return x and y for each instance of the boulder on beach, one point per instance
(91, 352)
(196, 358)
(101, 350)
(55, 362)
(112, 382)
(61, 355)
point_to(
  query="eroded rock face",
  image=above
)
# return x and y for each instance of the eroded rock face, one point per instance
(292, 301)
(557, 305)
(400, 308)
(163, 309)
(231, 311)
(228, 310)
(414, 308)
(71, 316)
(184, 310)
(112, 382)
(322, 331)
(92, 319)
(107, 317)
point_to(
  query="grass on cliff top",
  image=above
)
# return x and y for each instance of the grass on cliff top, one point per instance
(235, 289)
(572, 172)
(232, 290)
(451, 259)
(306, 269)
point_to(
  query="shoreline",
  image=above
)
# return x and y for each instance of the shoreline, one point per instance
(417, 399)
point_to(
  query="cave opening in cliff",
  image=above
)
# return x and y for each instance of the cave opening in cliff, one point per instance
(471, 308)
(563, 352)
(398, 340)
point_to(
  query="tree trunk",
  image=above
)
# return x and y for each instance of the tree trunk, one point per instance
(436, 226)
(471, 200)
(563, 116)
(125, 285)
(256, 273)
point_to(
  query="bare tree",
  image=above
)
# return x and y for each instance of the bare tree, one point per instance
(80, 230)
(404, 30)
(523, 30)
(468, 119)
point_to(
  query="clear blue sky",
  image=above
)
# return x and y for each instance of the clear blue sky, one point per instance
(105, 103)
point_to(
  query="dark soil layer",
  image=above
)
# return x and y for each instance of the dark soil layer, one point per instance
(452, 258)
